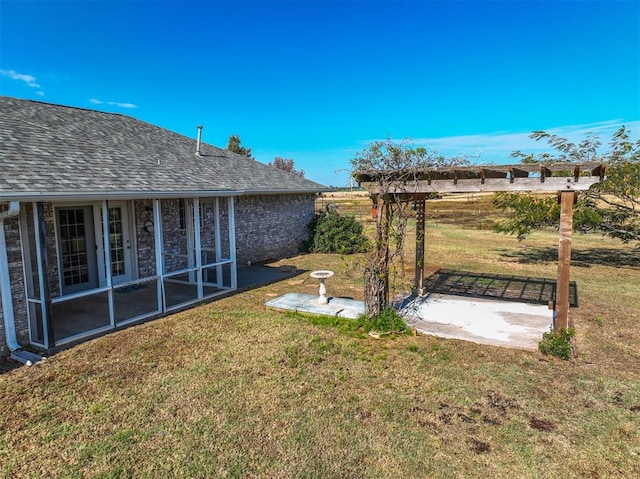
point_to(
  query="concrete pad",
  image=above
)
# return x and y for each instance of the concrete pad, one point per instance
(308, 303)
(499, 323)
(257, 275)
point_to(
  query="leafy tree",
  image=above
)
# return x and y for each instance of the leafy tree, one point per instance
(395, 168)
(235, 147)
(286, 164)
(611, 207)
(334, 233)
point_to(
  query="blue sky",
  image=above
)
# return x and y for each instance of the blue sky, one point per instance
(318, 81)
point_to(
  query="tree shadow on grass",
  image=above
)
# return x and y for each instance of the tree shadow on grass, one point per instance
(582, 258)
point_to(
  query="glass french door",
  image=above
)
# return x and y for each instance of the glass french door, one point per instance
(77, 249)
(119, 243)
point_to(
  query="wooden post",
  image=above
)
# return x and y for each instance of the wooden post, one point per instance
(567, 199)
(376, 289)
(384, 300)
(418, 285)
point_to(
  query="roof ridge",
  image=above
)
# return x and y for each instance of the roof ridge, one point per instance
(46, 103)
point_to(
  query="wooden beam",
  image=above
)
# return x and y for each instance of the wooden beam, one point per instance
(550, 185)
(544, 173)
(476, 171)
(562, 321)
(492, 173)
(420, 216)
(518, 173)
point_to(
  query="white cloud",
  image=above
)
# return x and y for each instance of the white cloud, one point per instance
(40, 93)
(14, 75)
(29, 80)
(498, 146)
(122, 105)
(95, 101)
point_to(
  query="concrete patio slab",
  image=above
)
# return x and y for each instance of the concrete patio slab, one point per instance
(484, 321)
(255, 276)
(498, 323)
(308, 303)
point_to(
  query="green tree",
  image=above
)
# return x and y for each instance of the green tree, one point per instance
(611, 208)
(235, 147)
(334, 233)
(286, 164)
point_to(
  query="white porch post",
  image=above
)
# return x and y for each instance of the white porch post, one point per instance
(157, 233)
(106, 244)
(45, 295)
(190, 233)
(218, 244)
(5, 293)
(198, 246)
(232, 243)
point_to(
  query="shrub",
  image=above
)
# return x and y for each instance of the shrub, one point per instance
(557, 343)
(389, 320)
(334, 233)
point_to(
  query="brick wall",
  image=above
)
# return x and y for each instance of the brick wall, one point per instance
(271, 226)
(145, 242)
(52, 250)
(174, 236)
(14, 256)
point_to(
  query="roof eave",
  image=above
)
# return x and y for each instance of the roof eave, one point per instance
(108, 195)
(295, 191)
(130, 195)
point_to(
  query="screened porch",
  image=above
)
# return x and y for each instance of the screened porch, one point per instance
(91, 267)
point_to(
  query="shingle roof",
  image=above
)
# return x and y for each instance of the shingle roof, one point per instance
(49, 150)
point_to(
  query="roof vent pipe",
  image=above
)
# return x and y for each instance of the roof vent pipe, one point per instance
(199, 140)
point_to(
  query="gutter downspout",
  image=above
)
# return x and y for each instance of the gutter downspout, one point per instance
(17, 354)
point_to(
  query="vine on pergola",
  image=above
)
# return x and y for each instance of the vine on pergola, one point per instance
(396, 169)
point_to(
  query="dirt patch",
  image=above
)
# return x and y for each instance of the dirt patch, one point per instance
(542, 424)
(500, 402)
(493, 420)
(618, 398)
(450, 415)
(479, 447)
(363, 413)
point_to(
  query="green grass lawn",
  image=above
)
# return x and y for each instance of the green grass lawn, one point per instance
(231, 389)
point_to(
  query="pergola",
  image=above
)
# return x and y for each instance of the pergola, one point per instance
(567, 179)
